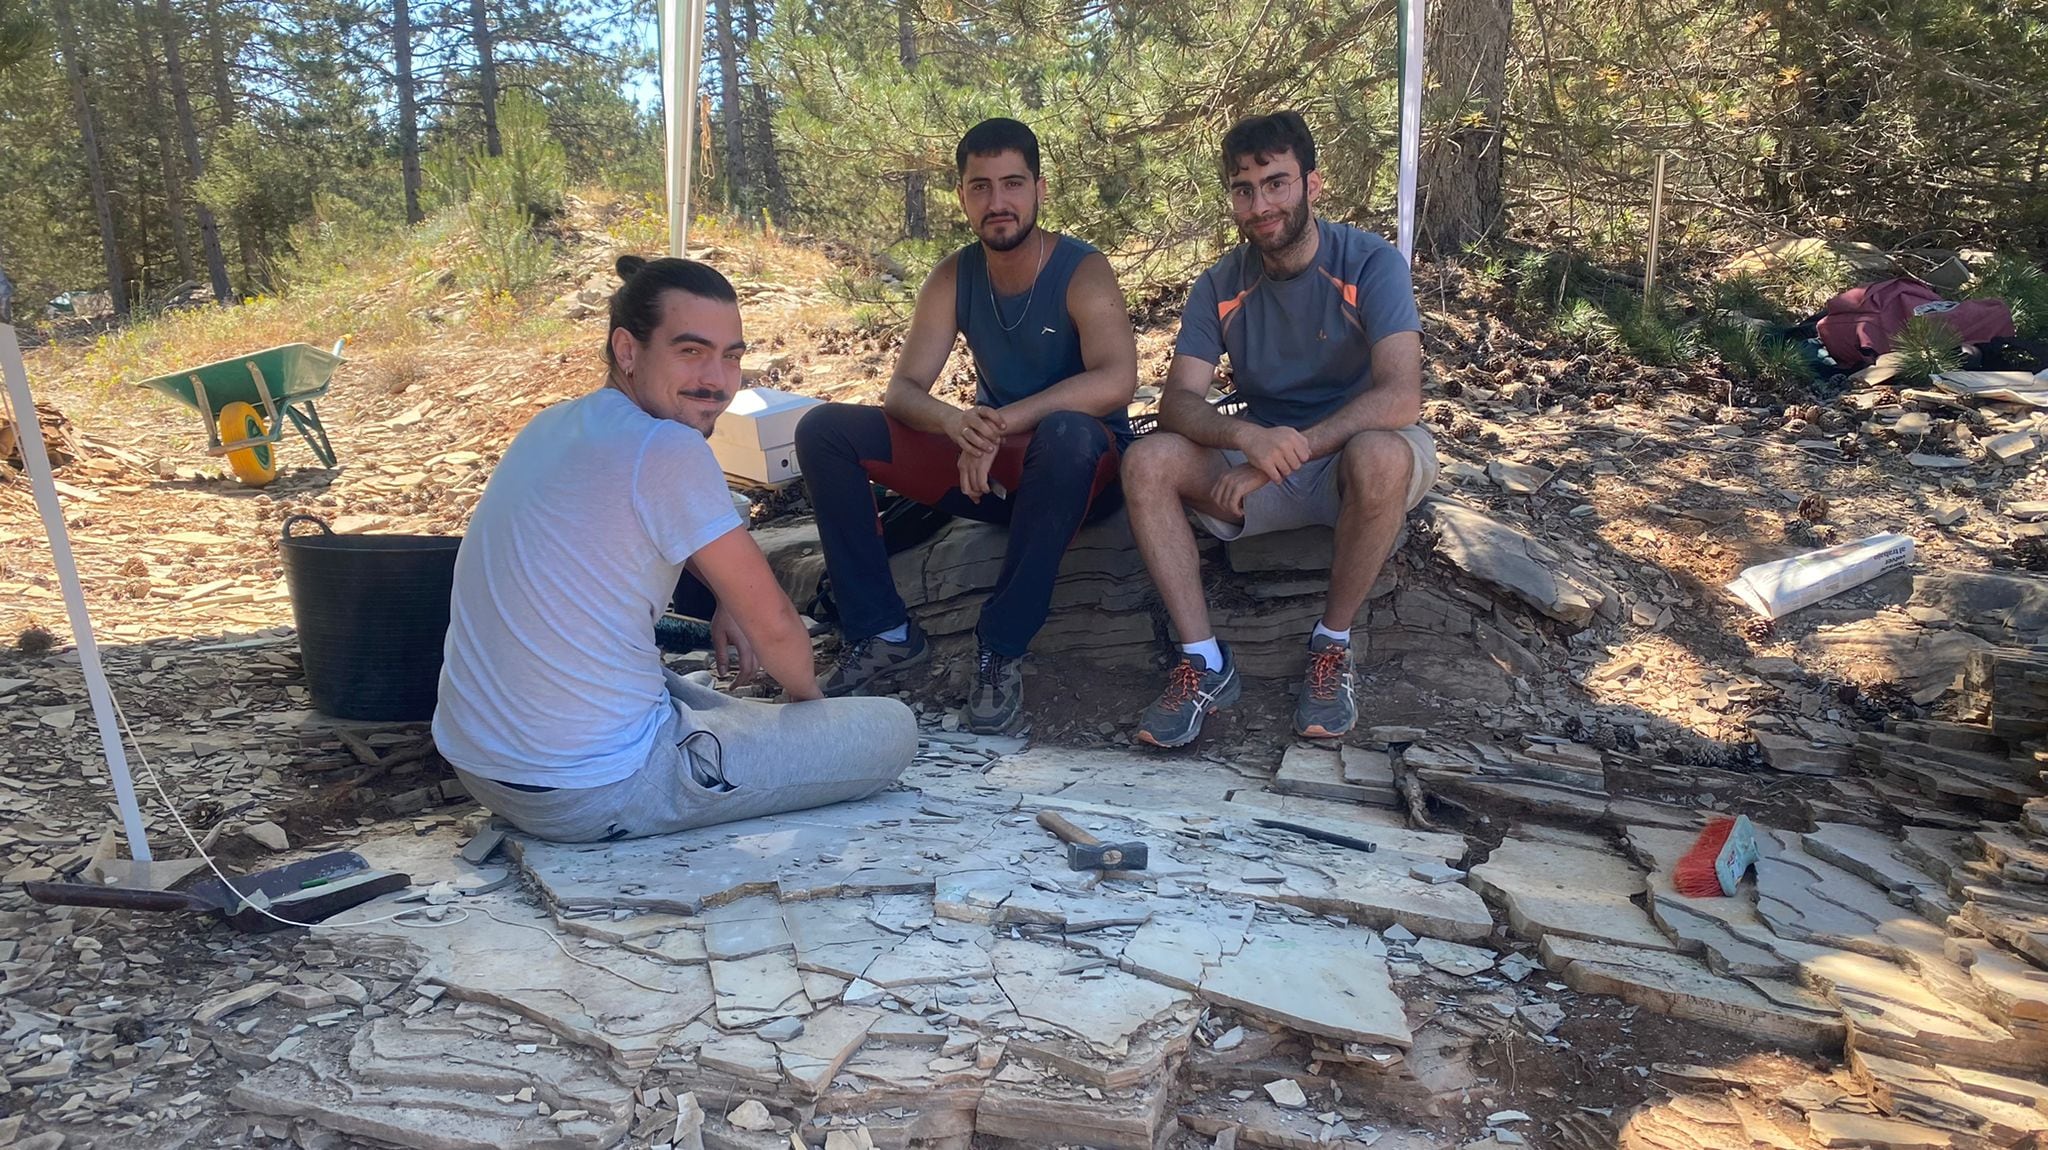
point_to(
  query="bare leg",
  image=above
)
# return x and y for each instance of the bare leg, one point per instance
(1165, 474)
(1375, 468)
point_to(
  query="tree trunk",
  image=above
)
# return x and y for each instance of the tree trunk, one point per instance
(408, 109)
(224, 111)
(761, 149)
(736, 176)
(1460, 176)
(167, 153)
(486, 74)
(81, 106)
(916, 224)
(181, 97)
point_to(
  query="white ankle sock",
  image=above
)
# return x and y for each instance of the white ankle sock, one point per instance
(1207, 651)
(896, 634)
(1343, 636)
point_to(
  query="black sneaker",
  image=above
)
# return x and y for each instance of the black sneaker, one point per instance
(863, 662)
(1193, 692)
(997, 697)
(1326, 709)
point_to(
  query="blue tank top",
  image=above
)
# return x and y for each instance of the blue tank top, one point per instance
(1018, 350)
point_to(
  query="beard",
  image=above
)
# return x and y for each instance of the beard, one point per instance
(1025, 226)
(1292, 229)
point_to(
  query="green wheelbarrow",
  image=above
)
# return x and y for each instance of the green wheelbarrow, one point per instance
(240, 401)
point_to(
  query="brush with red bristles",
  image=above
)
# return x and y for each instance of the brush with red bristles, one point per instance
(1714, 866)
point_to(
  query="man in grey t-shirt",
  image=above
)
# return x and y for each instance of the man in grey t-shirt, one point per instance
(1318, 320)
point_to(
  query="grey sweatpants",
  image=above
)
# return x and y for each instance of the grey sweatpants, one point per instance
(722, 759)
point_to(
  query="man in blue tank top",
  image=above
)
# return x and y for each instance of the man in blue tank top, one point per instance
(1057, 365)
(1319, 322)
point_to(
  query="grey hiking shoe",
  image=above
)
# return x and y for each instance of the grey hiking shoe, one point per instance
(998, 694)
(862, 662)
(1193, 692)
(1326, 709)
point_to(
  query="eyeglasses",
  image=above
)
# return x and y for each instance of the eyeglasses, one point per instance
(1272, 187)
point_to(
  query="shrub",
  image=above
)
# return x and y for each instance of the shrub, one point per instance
(2022, 285)
(1925, 347)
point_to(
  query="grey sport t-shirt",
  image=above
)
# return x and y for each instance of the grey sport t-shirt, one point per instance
(1302, 346)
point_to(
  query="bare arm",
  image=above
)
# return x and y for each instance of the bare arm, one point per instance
(736, 571)
(1184, 406)
(1109, 353)
(1392, 402)
(909, 399)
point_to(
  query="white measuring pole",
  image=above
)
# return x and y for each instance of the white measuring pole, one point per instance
(1411, 17)
(30, 435)
(682, 59)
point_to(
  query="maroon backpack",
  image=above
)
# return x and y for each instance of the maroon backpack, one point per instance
(1859, 325)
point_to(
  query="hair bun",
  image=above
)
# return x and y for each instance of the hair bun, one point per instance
(629, 266)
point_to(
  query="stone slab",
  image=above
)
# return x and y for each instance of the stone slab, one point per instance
(1550, 888)
(1320, 773)
(1321, 982)
(508, 963)
(1108, 1011)
(1682, 987)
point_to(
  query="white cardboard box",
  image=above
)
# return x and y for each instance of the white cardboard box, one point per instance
(756, 437)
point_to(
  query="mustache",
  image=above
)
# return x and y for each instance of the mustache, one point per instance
(1010, 216)
(712, 396)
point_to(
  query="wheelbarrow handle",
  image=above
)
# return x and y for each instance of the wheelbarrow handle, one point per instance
(290, 520)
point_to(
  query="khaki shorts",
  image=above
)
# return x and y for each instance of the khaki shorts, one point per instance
(1310, 497)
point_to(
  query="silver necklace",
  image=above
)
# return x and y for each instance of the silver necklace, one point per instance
(996, 307)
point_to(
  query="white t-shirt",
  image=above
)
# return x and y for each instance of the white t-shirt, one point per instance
(551, 676)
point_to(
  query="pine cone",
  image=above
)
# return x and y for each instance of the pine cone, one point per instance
(1759, 631)
(1850, 446)
(1814, 508)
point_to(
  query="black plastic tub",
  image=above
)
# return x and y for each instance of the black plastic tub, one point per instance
(372, 612)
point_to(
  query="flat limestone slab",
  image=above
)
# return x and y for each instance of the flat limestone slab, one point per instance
(751, 991)
(437, 1051)
(1054, 1114)
(1551, 888)
(420, 1117)
(1107, 1012)
(1320, 773)
(1682, 987)
(812, 1059)
(1880, 859)
(1870, 1132)
(1318, 981)
(1373, 890)
(507, 965)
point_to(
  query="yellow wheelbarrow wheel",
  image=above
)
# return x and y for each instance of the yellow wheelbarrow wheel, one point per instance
(254, 466)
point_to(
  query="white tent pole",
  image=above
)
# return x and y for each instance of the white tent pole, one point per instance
(29, 433)
(1411, 117)
(682, 61)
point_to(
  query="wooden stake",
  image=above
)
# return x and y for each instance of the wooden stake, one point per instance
(1656, 228)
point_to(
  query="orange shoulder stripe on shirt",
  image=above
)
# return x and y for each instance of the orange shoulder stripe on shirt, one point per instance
(1225, 307)
(1348, 291)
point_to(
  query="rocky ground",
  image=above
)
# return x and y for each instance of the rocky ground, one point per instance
(1558, 691)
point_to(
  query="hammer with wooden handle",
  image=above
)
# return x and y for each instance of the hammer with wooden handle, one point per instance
(1086, 852)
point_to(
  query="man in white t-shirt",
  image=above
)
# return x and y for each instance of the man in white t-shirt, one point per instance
(554, 706)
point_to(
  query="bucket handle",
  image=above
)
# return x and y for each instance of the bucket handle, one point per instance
(289, 520)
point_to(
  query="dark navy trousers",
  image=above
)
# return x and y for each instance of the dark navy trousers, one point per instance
(1053, 479)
